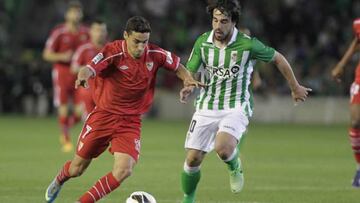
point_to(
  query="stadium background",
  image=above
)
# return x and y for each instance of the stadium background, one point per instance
(302, 162)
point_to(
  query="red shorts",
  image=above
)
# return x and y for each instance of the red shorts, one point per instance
(102, 129)
(64, 86)
(354, 93)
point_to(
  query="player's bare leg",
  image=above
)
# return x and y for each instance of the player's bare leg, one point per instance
(65, 139)
(190, 177)
(123, 166)
(71, 169)
(354, 134)
(226, 148)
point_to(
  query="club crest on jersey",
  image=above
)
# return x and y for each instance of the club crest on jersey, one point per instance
(97, 58)
(149, 65)
(225, 72)
(234, 56)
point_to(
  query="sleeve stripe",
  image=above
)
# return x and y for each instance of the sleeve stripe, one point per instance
(78, 52)
(168, 56)
(92, 69)
(53, 37)
(118, 54)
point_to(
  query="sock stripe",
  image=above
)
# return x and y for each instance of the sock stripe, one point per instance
(91, 195)
(97, 191)
(102, 187)
(107, 183)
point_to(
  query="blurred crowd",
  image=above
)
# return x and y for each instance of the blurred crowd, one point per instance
(313, 35)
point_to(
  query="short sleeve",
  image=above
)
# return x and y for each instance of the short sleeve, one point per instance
(260, 51)
(52, 43)
(194, 61)
(169, 60)
(103, 59)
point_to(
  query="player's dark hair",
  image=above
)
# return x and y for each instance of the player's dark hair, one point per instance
(74, 4)
(232, 8)
(137, 24)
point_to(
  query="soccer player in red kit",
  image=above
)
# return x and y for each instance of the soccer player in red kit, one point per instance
(337, 72)
(59, 49)
(124, 73)
(98, 35)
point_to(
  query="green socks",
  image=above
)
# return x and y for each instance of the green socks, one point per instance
(233, 163)
(189, 182)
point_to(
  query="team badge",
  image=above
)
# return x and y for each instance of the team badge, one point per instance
(234, 56)
(149, 65)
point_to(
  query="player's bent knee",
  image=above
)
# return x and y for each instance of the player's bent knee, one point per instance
(224, 153)
(122, 173)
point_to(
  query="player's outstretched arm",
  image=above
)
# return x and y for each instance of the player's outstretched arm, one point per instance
(53, 57)
(83, 76)
(187, 78)
(338, 70)
(298, 92)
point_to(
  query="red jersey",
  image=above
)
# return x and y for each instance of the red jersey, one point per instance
(62, 40)
(84, 54)
(124, 85)
(356, 27)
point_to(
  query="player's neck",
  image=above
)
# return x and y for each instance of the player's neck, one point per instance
(72, 27)
(223, 43)
(98, 44)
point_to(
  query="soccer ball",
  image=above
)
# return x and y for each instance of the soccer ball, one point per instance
(140, 197)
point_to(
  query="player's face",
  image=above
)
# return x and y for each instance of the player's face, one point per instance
(74, 15)
(136, 42)
(222, 25)
(98, 33)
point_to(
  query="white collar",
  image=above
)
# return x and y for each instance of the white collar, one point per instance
(233, 37)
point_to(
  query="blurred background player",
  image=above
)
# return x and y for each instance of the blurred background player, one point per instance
(224, 56)
(125, 72)
(87, 51)
(337, 73)
(59, 49)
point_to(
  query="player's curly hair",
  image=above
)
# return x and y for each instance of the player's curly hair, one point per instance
(137, 24)
(231, 8)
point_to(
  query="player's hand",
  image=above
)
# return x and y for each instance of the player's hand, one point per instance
(81, 82)
(337, 73)
(192, 82)
(300, 93)
(185, 93)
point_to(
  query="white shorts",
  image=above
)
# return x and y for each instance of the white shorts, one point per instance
(205, 125)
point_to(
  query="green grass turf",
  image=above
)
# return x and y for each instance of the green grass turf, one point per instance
(282, 163)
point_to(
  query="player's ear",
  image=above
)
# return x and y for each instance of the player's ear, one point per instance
(126, 35)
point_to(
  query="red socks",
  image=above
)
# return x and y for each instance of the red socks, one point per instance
(355, 143)
(63, 176)
(101, 188)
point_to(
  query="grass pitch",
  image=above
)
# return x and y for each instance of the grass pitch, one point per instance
(283, 163)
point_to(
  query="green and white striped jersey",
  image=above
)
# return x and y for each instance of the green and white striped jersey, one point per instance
(226, 71)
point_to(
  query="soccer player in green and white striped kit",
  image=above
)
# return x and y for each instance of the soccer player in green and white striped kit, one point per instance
(224, 58)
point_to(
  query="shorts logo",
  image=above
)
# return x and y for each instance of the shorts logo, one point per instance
(137, 145)
(97, 58)
(229, 127)
(149, 65)
(123, 67)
